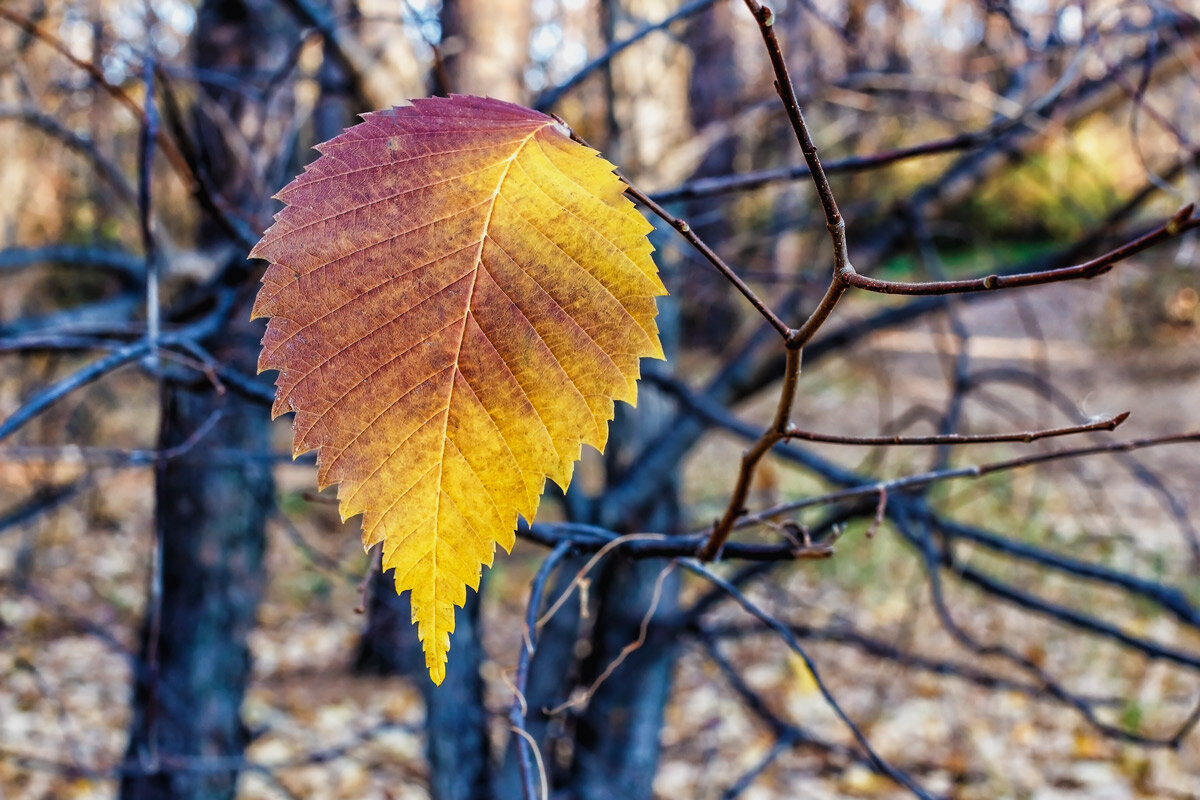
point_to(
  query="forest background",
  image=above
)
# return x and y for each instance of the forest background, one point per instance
(183, 615)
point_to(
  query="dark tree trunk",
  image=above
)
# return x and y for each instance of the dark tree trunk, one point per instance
(389, 644)
(455, 716)
(213, 501)
(211, 513)
(617, 734)
(710, 307)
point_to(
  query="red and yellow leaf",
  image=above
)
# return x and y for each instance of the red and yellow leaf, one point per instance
(457, 292)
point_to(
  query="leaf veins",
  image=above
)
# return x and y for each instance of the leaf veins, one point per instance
(457, 293)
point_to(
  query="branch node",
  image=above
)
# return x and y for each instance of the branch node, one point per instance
(1175, 225)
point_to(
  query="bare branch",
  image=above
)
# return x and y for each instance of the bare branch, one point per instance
(516, 716)
(794, 645)
(105, 167)
(1179, 224)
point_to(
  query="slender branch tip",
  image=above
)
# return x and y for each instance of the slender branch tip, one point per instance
(1175, 225)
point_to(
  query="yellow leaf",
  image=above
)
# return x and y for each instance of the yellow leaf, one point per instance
(804, 683)
(1090, 748)
(457, 292)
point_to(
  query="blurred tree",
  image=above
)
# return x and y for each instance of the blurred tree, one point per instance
(211, 509)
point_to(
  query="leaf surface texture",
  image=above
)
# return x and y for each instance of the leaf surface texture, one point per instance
(457, 292)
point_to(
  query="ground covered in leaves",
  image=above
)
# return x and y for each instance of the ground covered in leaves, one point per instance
(74, 587)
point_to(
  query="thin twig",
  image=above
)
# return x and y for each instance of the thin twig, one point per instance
(516, 715)
(581, 575)
(924, 479)
(750, 458)
(1107, 424)
(105, 167)
(1179, 224)
(716, 414)
(794, 645)
(586, 696)
(685, 230)
(795, 338)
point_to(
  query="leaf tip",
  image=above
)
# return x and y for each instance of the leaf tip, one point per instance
(437, 674)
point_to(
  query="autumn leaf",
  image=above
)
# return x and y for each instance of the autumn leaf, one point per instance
(457, 292)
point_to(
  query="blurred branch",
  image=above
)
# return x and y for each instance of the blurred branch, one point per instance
(318, 18)
(931, 559)
(526, 746)
(45, 398)
(206, 194)
(745, 181)
(129, 268)
(42, 501)
(96, 73)
(550, 97)
(146, 140)
(787, 735)
(110, 317)
(104, 166)
(841, 633)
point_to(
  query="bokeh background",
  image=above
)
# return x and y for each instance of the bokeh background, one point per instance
(139, 146)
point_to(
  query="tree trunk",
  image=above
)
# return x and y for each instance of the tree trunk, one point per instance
(710, 306)
(211, 513)
(486, 47)
(617, 734)
(213, 501)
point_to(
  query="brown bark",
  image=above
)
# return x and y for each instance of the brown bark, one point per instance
(486, 47)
